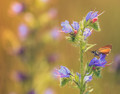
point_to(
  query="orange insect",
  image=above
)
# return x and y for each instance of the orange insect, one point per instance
(103, 50)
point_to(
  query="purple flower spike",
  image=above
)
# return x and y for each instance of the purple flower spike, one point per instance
(75, 25)
(66, 27)
(87, 33)
(62, 72)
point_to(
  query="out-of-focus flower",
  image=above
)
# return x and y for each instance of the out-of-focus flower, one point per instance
(55, 33)
(66, 27)
(52, 13)
(87, 32)
(21, 77)
(87, 78)
(98, 62)
(49, 91)
(45, 1)
(21, 51)
(62, 72)
(116, 64)
(52, 58)
(31, 92)
(23, 31)
(16, 8)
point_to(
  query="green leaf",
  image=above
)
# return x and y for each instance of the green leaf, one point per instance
(95, 26)
(97, 73)
(64, 81)
(89, 47)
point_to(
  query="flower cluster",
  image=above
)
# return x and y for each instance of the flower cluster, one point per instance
(78, 34)
(67, 28)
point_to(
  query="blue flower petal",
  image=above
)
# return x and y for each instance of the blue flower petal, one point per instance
(75, 25)
(89, 15)
(87, 32)
(66, 27)
(62, 72)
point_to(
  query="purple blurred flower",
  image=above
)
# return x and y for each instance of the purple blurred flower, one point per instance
(23, 31)
(98, 62)
(52, 58)
(31, 92)
(17, 7)
(75, 25)
(52, 13)
(87, 32)
(20, 76)
(55, 34)
(88, 78)
(92, 15)
(49, 91)
(66, 27)
(21, 51)
(62, 72)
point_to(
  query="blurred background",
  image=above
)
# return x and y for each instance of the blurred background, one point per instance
(31, 45)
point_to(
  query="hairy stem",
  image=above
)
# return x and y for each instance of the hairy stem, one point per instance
(81, 68)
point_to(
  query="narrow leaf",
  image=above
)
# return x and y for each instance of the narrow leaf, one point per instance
(64, 81)
(89, 47)
(95, 26)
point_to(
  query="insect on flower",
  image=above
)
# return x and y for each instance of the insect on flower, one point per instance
(103, 50)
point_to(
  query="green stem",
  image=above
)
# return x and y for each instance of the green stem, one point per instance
(81, 68)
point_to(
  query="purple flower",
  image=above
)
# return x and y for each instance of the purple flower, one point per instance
(66, 27)
(91, 15)
(98, 62)
(87, 78)
(87, 32)
(62, 72)
(75, 25)
(17, 7)
(23, 31)
(31, 92)
(49, 91)
(52, 58)
(20, 76)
